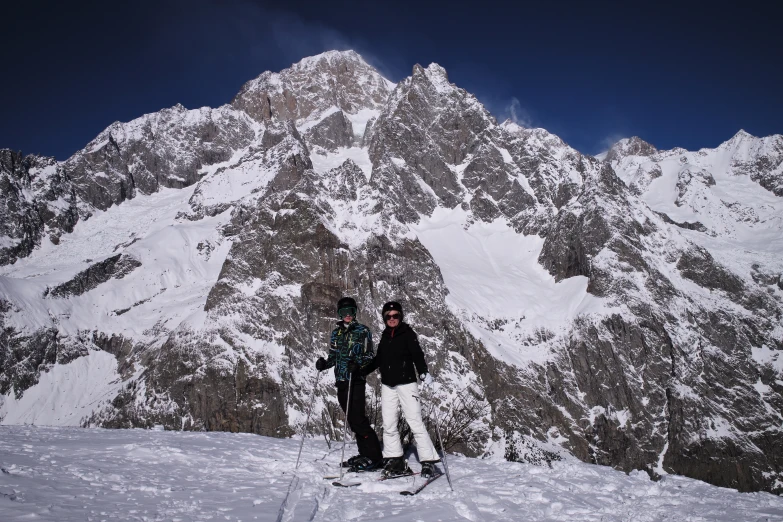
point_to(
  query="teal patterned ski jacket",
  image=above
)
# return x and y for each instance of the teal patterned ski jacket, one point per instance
(349, 342)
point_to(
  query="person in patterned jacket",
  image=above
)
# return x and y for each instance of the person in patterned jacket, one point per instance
(351, 350)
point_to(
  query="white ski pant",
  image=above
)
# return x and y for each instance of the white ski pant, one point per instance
(407, 397)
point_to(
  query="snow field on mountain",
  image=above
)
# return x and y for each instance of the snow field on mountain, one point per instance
(238, 178)
(65, 394)
(747, 218)
(180, 259)
(360, 119)
(493, 276)
(324, 161)
(70, 474)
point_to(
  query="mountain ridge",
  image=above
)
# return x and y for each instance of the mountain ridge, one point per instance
(238, 228)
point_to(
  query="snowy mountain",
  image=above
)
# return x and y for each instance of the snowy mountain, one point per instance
(182, 270)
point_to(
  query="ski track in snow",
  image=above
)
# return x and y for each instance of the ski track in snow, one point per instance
(68, 474)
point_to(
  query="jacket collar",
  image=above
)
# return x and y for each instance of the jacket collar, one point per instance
(347, 326)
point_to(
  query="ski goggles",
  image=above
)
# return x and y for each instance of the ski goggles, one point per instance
(393, 315)
(349, 310)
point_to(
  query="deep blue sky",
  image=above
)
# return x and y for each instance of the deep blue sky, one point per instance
(680, 74)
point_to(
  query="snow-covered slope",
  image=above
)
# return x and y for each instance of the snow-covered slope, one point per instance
(733, 207)
(66, 475)
(626, 310)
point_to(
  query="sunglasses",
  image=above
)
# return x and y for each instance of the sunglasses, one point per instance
(392, 316)
(349, 311)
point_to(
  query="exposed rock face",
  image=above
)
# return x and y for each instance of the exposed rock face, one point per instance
(760, 159)
(332, 132)
(321, 180)
(310, 87)
(713, 327)
(116, 266)
(630, 147)
(36, 197)
(166, 149)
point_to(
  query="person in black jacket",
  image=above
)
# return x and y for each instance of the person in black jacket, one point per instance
(400, 360)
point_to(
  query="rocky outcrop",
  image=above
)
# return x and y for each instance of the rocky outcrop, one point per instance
(117, 266)
(36, 198)
(332, 132)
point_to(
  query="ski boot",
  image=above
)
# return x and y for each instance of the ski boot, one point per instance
(428, 469)
(348, 463)
(396, 467)
(365, 464)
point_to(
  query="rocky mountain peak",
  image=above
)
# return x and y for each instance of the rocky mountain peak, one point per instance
(740, 142)
(742, 134)
(329, 59)
(634, 146)
(313, 85)
(512, 127)
(433, 75)
(437, 75)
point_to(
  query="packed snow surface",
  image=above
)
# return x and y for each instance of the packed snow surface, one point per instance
(68, 474)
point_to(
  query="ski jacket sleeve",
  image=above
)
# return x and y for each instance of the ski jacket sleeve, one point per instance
(373, 363)
(417, 353)
(333, 350)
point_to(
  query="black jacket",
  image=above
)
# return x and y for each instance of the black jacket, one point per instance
(399, 356)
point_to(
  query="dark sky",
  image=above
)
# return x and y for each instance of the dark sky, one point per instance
(676, 74)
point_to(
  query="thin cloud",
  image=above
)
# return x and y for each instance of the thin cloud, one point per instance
(518, 114)
(608, 141)
(266, 31)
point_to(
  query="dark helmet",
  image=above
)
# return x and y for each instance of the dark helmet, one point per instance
(392, 305)
(347, 302)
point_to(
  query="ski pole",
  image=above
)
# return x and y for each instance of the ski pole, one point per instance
(307, 420)
(345, 425)
(440, 439)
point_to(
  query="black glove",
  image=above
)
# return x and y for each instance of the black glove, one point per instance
(353, 367)
(320, 364)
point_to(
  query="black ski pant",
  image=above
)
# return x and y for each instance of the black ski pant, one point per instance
(366, 438)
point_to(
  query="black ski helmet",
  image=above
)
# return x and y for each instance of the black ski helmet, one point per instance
(347, 302)
(392, 305)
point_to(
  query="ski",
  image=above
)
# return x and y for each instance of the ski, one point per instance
(332, 477)
(418, 490)
(381, 479)
(385, 477)
(346, 484)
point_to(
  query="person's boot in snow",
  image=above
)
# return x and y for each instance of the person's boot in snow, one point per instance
(396, 466)
(365, 464)
(428, 469)
(350, 462)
